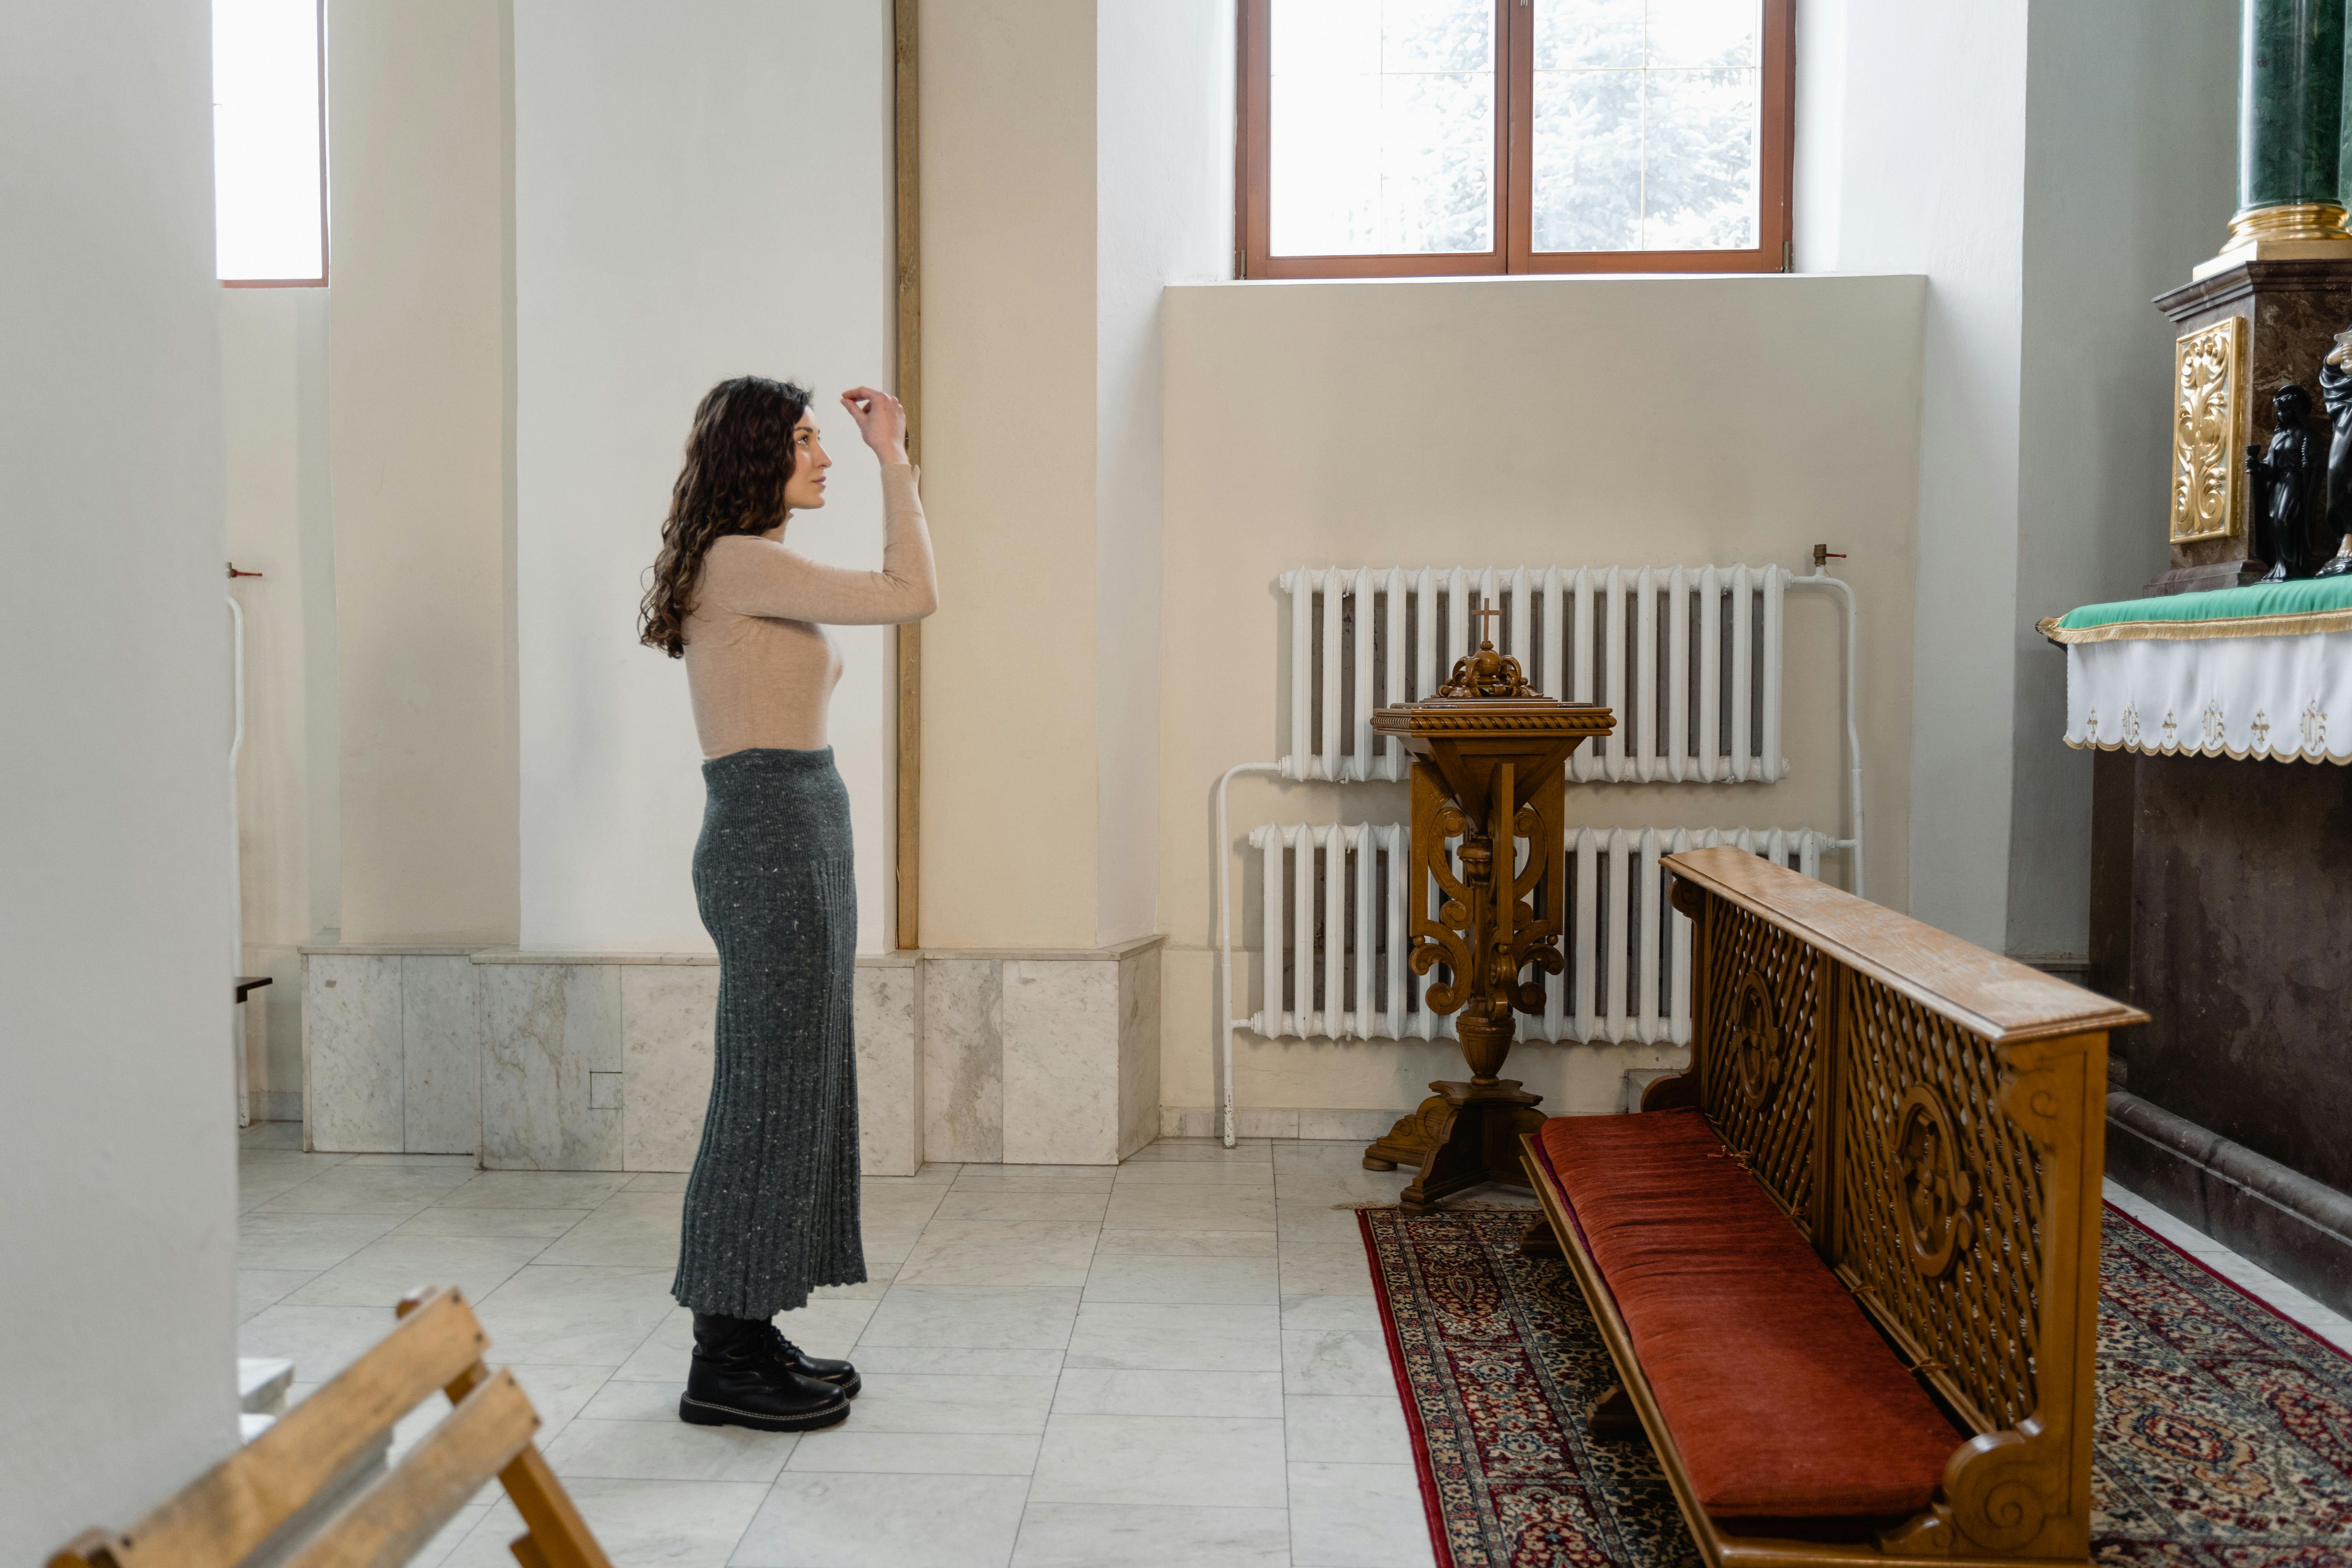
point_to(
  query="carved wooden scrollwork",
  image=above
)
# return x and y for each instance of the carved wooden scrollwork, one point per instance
(1487, 674)
(1539, 939)
(1935, 1195)
(1995, 1500)
(1754, 1039)
(2032, 1099)
(1442, 940)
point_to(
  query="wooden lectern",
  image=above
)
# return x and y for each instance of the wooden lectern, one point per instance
(1489, 767)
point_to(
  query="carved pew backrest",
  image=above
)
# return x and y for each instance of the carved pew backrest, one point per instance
(1941, 1199)
(1763, 1004)
(1932, 1117)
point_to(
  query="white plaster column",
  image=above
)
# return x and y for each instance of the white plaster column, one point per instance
(418, 410)
(117, 1296)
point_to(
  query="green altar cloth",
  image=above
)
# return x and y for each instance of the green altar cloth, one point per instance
(2260, 609)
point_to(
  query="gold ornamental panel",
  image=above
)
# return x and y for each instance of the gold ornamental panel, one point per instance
(2209, 421)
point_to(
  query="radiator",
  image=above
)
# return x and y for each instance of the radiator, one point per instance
(1331, 913)
(1687, 657)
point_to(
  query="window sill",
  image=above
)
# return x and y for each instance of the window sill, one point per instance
(1535, 279)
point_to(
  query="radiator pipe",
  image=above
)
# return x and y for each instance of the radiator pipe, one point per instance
(1821, 578)
(1226, 943)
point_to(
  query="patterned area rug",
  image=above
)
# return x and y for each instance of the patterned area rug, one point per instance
(2224, 1440)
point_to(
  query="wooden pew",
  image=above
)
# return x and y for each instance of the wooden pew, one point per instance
(1929, 1117)
(245, 1507)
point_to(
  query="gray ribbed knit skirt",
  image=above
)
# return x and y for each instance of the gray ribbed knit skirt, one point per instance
(772, 1207)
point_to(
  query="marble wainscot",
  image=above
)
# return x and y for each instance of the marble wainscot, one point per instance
(602, 1061)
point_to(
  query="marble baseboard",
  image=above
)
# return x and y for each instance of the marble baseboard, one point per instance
(2276, 1217)
(596, 1062)
(545, 1029)
(1041, 1057)
(392, 1060)
(1081, 1055)
(1263, 1122)
(667, 1015)
(890, 1020)
(273, 1105)
(355, 1080)
(1268, 1121)
(963, 1060)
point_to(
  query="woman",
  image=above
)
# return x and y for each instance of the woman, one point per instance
(772, 1207)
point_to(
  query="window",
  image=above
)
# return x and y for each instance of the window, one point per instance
(269, 142)
(1401, 137)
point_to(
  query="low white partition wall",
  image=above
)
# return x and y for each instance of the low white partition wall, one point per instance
(602, 1061)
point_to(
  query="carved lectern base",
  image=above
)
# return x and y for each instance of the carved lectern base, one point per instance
(1408, 1143)
(1465, 1135)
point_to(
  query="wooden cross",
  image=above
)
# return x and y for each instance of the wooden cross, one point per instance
(1480, 615)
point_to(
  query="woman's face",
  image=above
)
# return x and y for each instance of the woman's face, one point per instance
(805, 489)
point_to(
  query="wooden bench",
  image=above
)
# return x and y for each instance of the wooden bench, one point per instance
(264, 1502)
(1847, 1264)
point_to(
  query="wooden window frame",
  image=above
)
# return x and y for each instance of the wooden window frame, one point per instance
(325, 223)
(1514, 226)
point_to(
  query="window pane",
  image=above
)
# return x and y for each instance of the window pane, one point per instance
(1573, 35)
(1703, 33)
(1700, 169)
(265, 186)
(1588, 160)
(1383, 127)
(1648, 129)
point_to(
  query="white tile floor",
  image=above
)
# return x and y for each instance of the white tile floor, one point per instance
(1178, 1362)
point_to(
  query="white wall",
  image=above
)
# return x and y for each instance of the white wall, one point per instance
(117, 1139)
(1163, 213)
(701, 191)
(274, 406)
(2063, 163)
(1932, 166)
(2131, 131)
(1009, 192)
(1553, 421)
(418, 399)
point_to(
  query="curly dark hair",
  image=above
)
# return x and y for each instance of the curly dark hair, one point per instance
(739, 456)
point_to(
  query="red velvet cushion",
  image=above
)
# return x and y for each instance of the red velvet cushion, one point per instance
(1782, 1397)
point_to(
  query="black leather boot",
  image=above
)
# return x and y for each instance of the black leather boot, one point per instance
(736, 1380)
(782, 1352)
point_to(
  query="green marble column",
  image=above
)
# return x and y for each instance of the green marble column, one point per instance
(2290, 105)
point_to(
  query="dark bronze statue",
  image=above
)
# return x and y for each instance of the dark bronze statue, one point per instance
(2292, 481)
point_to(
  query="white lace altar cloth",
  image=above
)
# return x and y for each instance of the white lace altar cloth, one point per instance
(2285, 697)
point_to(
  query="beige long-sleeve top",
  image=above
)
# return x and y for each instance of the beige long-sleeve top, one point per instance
(757, 662)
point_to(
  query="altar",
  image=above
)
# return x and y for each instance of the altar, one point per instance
(2222, 879)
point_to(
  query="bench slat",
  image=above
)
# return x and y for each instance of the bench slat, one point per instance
(218, 1520)
(397, 1516)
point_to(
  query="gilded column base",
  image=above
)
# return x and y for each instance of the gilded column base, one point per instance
(2299, 231)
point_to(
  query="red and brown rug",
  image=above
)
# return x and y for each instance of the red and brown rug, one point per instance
(2224, 1441)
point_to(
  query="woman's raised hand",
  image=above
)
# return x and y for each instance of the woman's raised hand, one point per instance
(880, 420)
